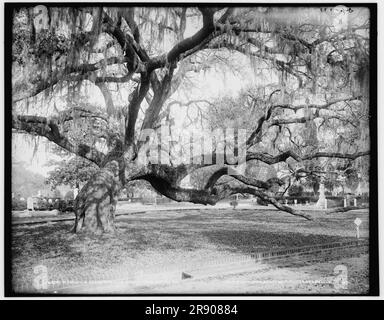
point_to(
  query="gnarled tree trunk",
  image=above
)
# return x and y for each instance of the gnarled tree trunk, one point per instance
(95, 204)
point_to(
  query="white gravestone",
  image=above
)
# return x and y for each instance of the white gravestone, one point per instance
(30, 203)
(357, 223)
(322, 201)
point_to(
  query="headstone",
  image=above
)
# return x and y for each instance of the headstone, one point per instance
(357, 223)
(345, 202)
(322, 201)
(30, 203)
(355, 202)
(295, 202)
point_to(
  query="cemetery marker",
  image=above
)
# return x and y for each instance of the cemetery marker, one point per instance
(357, 223)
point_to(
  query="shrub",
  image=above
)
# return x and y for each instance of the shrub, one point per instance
(335, 203)
(261, 202)
(19, 205)
(69, 195)
(295, 190)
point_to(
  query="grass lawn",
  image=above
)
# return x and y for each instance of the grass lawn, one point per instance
(156, 241)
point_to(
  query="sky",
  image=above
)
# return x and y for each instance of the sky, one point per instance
(34, 160)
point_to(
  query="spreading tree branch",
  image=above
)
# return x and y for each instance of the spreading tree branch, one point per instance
(136, 97)
(49, 129)
(255, 136)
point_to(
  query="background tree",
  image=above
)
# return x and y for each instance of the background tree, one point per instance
(69, 195)
(73, 172)
(57, 194)
(313, 65)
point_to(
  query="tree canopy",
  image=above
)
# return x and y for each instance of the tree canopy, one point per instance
(308, 101)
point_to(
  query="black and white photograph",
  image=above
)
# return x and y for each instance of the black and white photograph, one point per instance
(191, 149)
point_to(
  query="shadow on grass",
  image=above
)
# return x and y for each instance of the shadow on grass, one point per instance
(46, 241)
(251, 241)
(165, 235)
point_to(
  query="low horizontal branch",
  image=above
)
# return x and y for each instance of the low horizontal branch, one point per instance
(49, 129)
(83, 71)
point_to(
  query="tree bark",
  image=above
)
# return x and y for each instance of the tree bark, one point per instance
(95, 204)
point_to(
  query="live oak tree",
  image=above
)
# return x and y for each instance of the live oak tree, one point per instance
(313, 62)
